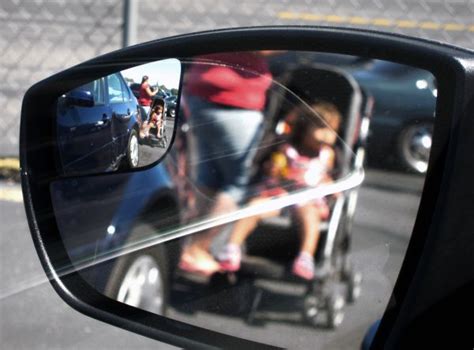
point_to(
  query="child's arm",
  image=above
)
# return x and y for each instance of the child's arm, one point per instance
(329, 159)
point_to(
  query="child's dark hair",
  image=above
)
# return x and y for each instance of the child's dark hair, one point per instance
(158, 102)
(320, 114)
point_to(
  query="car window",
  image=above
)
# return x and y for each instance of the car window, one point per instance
(126, 91)
(98, 91)
(116, 94)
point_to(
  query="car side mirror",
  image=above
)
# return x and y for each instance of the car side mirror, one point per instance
(79, 98)
(269, 136)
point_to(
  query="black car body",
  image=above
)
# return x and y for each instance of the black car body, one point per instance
(94, 125)
(402, 119)
(171, 106)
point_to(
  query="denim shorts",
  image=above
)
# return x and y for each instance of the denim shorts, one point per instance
(146, 109)
(226, 141)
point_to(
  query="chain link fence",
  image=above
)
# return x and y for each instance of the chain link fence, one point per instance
(41, 37)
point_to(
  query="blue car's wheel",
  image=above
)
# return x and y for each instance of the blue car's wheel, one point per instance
(133, 155)
(140, 279)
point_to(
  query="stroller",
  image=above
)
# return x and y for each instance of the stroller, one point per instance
(273, 244)
(157, 130)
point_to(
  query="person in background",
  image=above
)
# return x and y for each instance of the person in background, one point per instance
(145, 98)
(305, 160)
(225, 94)
(145, 94)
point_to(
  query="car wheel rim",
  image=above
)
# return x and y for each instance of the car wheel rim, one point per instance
(417, 146)
(142, 286)
(134, 151)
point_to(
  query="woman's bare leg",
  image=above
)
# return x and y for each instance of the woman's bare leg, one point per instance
(196, 254)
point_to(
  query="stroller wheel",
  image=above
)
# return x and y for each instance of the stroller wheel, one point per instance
(311, 308)
(335, 310)
(354, 286)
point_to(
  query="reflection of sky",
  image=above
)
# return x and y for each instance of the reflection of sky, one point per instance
(164, 72)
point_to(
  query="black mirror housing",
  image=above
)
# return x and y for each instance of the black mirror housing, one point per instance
(447, 178)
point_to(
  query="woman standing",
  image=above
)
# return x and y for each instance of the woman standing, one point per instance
(225, 95)
(146, 94)
(145, 97)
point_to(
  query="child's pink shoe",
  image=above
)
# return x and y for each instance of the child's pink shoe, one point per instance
(230, 258)
(303, 266)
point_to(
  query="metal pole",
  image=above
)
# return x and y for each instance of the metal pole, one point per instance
(130, 22)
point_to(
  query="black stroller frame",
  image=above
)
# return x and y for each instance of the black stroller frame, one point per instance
(309, 83)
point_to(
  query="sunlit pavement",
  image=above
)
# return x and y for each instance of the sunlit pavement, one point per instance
(29, 306)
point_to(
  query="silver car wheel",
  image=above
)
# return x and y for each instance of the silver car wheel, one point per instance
(416, 146)
(142, 285)
(133, 149)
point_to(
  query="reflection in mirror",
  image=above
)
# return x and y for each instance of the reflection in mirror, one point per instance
(122, 121)
(290, 191)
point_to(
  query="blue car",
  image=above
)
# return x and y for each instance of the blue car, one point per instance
(98, 127)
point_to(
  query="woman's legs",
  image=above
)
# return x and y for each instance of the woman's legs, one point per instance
(196, 256)
(226, 141)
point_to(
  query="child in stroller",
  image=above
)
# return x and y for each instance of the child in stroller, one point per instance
(153, 130)
(304, 159)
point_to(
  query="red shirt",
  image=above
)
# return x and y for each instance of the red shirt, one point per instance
(143, 98)
(236, 79)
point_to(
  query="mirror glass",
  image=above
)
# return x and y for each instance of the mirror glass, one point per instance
(284, 208)
(118, 122)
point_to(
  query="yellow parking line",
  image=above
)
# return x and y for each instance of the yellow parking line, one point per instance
(454, 27)
(335, 19)
(429, 25)
(311, 17)
(11, 195)
(9, 163)
(359, 20)
(383, 22)
(406, 24)
(378, 22)
(288, 15)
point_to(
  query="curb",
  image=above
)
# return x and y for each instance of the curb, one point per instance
(10, 169)
(10, 164)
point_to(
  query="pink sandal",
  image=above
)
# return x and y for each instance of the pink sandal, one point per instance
(303, 266)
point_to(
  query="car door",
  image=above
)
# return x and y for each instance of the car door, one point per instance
(119, 98)
(85, 131)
